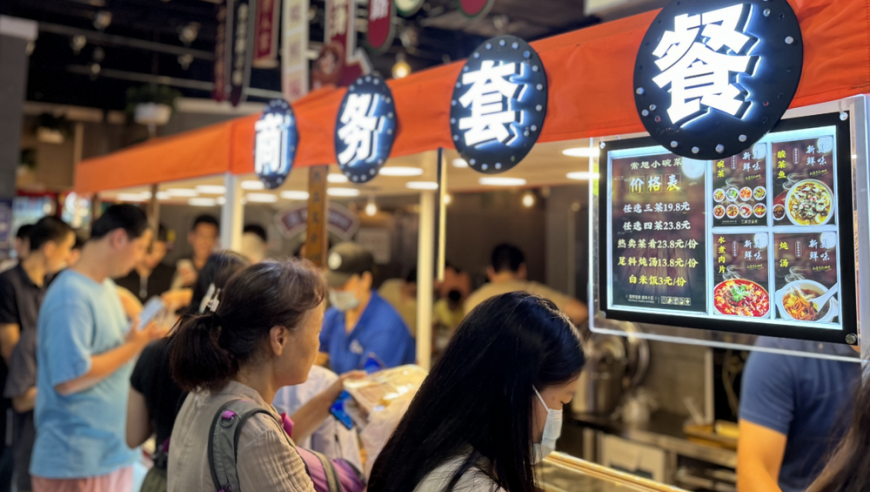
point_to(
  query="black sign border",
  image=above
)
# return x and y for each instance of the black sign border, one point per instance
(849, 304)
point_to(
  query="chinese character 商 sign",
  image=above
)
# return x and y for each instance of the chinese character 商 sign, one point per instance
(275, 143)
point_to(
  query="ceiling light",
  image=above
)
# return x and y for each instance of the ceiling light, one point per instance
(162, 195)
(582, 152)
(460, 162)
(401, 171)
(261, 197)
(401, 69)
(132, 197)
(202, 202)
(294, 195)
(252, 185)
(221, 200)
(501, 181)
(182, 192)
(336, 178)
(371, 208)
(422, 185)
(448, 199)
(528, 200)
(343, 192)
(582, 176)
(212, 189)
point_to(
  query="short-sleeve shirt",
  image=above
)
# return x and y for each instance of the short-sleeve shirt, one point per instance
(379, 331)
(496, 289)
(145, 288)
(806, 399)
(83, 434)
(153, 379)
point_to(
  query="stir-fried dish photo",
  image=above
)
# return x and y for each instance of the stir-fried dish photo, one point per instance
(739, 297)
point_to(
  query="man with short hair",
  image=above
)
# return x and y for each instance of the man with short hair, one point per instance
(360, 323)
(22, 247)
(203, 238)
(150, 277)
(22, 289)
(85, 346)
(507, 273)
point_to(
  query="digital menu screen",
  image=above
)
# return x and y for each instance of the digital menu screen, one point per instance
(750, 243)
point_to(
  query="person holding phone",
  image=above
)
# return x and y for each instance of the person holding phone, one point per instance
(203, 238)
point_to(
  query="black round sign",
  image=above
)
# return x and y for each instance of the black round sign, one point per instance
(365, 128)
(712, 77)
(498, 105)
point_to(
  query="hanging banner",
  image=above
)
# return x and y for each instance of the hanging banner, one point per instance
(379, 35)
(408, 8)
(365, 128)
(266, 35)
(340, 61)
(294, 50)
(275, 143)
(498, 105)
(223, 51)
(475, 8)
(712, 77)
(242, 50)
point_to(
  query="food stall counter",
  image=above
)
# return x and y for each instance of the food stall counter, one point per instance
(563, 473)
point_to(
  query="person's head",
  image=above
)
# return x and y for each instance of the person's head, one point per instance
(123, 236)
(410, 287)
(254, 242)
(75, 253)
(349, 277)
(51, 240)
(218, 270)
(482, 395)
(158, 248)
(507, 261)
(454, 299)
(267, 322)
(22, 241)
(203, 235)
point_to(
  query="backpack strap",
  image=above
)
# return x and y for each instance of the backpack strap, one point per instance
(332, 480)
(223, 442)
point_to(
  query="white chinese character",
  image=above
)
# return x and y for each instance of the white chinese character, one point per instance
(811, 161)
(655, 183)
(746, 166)
(814, 255)
(647, 226)
(687, 225)
(659, 226)
(648, 208)
(359, 127)
(822, 161)
(634, 165)
(380, 9)
(638, 226)
(825, 256)
(747, 244)
(628, 209)
(748, 255)
(811, 149)
(638, 209)
(814, 243)
(636, 185)
(756, 166)
(490, 91)
(746, 156)
(758, 256)
(685, 206)
(271, 136)
(660, 207)
(626, 226)
(699, 71)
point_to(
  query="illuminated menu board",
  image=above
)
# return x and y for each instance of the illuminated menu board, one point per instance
(750, 243)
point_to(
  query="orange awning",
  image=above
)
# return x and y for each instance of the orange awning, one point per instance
(590, 88)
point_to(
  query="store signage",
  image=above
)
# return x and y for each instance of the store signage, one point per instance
(379, 35)
(294, 221)
(266, 36)
(742, 243)
(365, 128)
(294, 50)
(408, 8)
(475, 8)
(340, 61)
(242, 49)
(499, 104)
(223, 52)
(713, 76)
(275, 143)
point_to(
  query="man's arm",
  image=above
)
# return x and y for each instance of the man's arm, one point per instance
(132, 305)
(25, 402)
(139, 427)
(9, 335)
(759, 458)
(310, 416)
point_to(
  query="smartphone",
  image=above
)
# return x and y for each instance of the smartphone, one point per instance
(339, 412)
(373, 364)
(151, 310)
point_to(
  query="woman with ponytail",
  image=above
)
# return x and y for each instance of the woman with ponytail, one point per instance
(262, 333)
(491, 408)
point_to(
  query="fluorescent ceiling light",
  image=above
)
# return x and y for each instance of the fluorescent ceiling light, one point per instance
(221, 200)
(501, 181)
(582, 152)
(212, 189)
(162, 195)
(336, 178)
(460, 162)
(252, 185)
(294, 195)
(261, 197)
(582, 176)
(182, 192)
(133, 197)
(422, 185)
(344, 192)
(401, 171)
(202, 202)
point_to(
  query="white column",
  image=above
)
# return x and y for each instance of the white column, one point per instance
(232, 214)
(425, 281)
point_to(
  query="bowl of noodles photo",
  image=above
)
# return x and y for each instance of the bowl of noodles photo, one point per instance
(740, 297)
(795, 302)
(809, 203)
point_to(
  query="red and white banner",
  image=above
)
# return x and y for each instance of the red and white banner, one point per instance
(266, 36)
(294, 49)
(380, 32)
(223, 53)
(340, 61)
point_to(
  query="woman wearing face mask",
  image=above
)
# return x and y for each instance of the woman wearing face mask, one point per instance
(491, 407)
(263, 335)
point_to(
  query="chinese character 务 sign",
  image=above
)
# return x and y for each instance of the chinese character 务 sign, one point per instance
(365, 128)
(498, 105)
(714, 76)
(275, 143)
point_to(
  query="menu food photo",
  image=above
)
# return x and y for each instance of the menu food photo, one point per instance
(754, 237)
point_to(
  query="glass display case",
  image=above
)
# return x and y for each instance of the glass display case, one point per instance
(563, 473)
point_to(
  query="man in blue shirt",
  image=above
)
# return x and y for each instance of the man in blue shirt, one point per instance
(84, 354)
(360, 323)
(793, 412)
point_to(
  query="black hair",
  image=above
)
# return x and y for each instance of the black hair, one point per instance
(257, 229)
(454, 295)
(411, 277)
(128, 217)
(162, 234)
(480, 397)
(205, 219)
(218, 270)
(208, 350)
(507, 258)
(80, 242)
(23, 232)
(48, 229)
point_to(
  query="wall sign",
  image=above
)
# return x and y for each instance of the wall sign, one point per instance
(275, 143)
(222, 52)
(294, 221)
(713, 76)
(499, 104)
(242, 50)
(266, 37)
(340, 61)
(365, 128)
(294, 50)
(379, 35)
(475, 8)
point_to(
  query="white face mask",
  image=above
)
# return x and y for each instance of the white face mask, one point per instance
(552, 431)
(343, 301)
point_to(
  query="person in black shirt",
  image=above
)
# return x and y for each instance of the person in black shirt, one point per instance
(150, 277)
(203, 237)
(21, 292)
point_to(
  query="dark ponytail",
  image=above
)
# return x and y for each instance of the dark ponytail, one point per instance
(206, 351)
